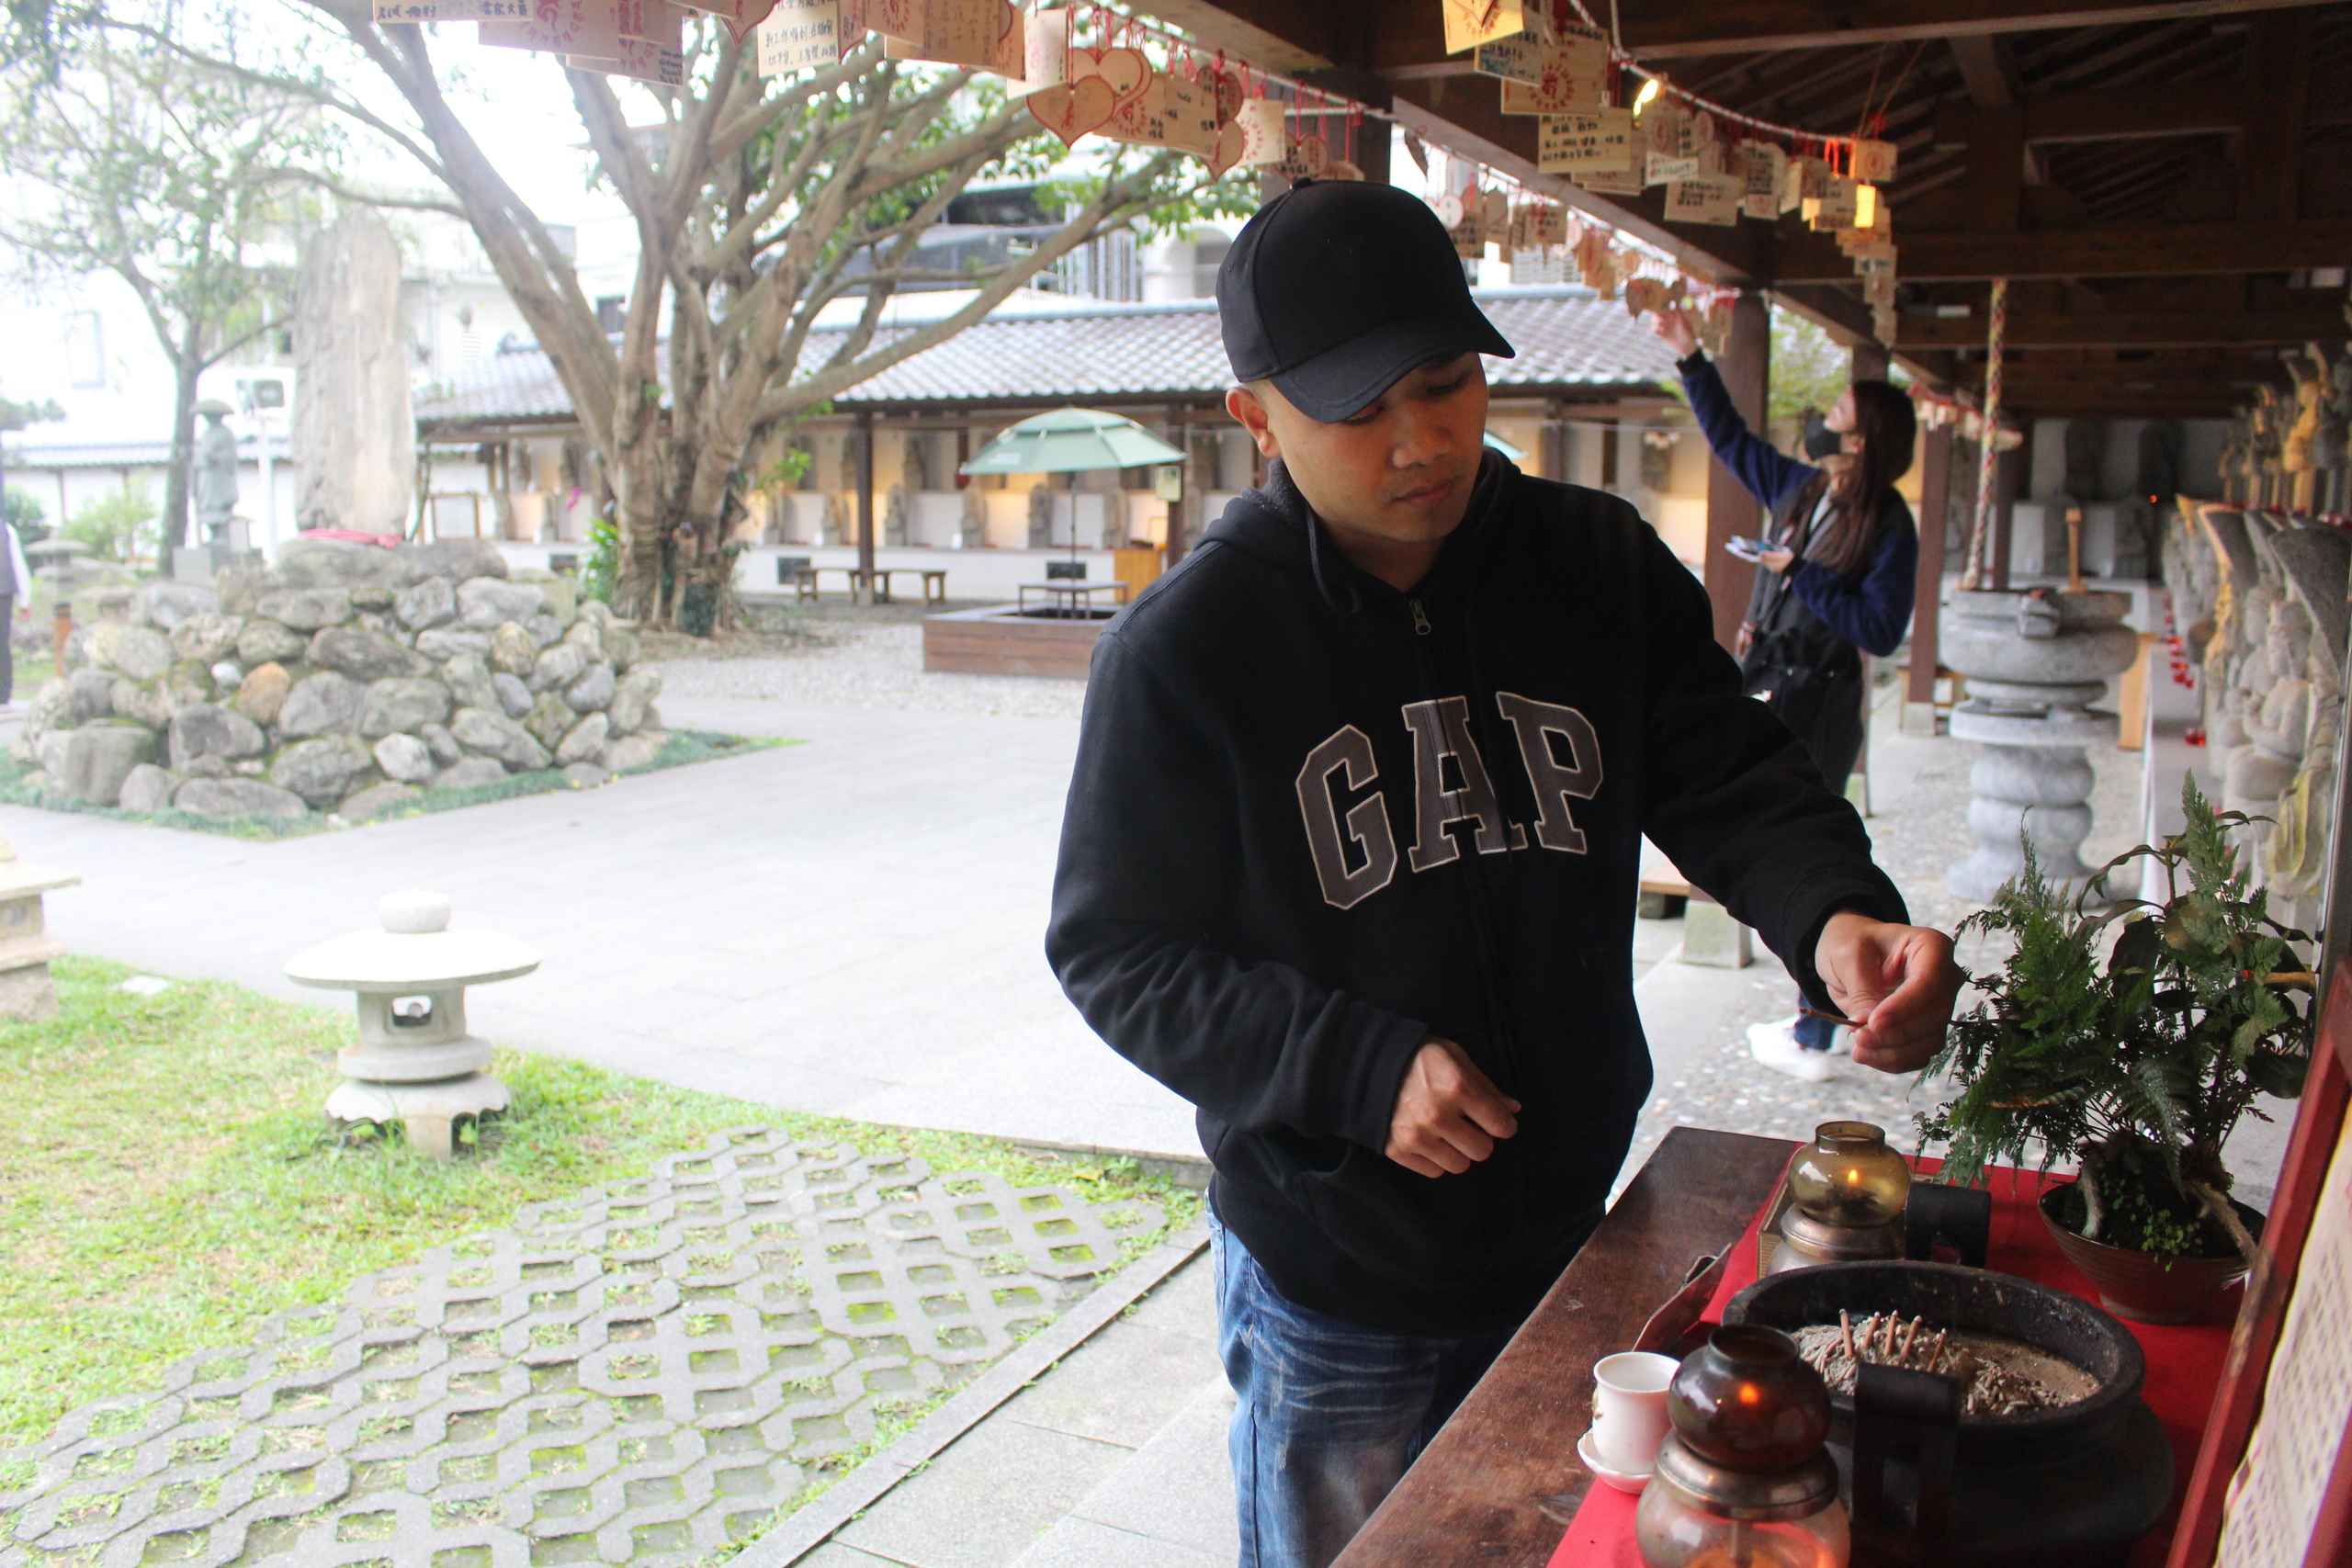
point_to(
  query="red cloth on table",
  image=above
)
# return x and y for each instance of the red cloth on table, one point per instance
(2184, 1366)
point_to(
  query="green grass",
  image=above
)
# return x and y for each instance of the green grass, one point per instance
(168, 1177)
(685, 746)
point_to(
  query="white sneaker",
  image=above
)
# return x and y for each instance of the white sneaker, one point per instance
(1774, 1046)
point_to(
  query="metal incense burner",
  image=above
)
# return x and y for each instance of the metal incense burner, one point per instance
(1848, 1192)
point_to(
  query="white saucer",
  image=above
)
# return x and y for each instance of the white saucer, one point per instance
(1617, 1479)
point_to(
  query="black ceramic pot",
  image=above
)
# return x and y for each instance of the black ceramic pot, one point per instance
(2078, 1484)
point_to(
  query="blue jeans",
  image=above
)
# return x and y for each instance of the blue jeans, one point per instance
(1814, 1033)
(1329, 1415)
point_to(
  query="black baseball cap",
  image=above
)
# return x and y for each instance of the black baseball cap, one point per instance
(1336, 288)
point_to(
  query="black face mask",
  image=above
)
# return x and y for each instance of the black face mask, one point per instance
(1820, 441)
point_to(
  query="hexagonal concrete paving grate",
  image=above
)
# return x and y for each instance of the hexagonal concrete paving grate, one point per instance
(636, 1375)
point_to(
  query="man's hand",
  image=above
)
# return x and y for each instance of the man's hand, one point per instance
(1448, 1112)
(1676, 325)
(1898, 980)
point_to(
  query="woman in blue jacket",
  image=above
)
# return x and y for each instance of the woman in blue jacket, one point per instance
(1838, 581)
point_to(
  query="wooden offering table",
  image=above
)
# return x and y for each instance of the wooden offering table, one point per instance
(1501, 1481)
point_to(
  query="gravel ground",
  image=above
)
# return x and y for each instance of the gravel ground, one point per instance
(839, 656)
(873, 658)
(1916, 835)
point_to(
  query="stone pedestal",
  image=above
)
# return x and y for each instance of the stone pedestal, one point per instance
(2034, 664)
(1710, 936)
(28, 994)
(414, 1062)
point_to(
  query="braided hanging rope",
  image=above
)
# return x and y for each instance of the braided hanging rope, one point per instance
(1988, 456)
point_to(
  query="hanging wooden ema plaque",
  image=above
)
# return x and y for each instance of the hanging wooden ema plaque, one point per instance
(1469, 23)
(1583, 143)
(591, 28)
(799, 34)
(1761, 164)
(981, 33)
(450, 10)
(652, 44)
(1703, 198)
(1571, 77)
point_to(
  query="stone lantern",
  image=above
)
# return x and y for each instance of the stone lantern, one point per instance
(414, 1062)
(28, 994)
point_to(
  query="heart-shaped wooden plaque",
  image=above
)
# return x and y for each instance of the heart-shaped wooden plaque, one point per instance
(1073, 108)
(1124, 71)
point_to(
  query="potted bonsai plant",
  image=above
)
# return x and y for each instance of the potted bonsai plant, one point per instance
(2133, 1066)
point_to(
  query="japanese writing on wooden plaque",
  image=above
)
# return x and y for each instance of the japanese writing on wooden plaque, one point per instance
(561, 26)
(958, 32)
(799, 34)
(1705, 198)
(1580, 143)
(1469, 23)
(450, 10)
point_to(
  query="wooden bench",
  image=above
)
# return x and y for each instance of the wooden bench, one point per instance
(805, 580)
(1070, 597)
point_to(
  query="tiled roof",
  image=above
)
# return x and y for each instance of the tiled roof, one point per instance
(22, 454)
(1567, 341)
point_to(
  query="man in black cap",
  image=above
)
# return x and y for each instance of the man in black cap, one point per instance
(1350, 851)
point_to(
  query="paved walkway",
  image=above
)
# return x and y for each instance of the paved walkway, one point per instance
(850, 926)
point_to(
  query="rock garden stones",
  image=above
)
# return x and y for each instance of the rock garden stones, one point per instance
(376, 800)
(206, 637)
(225, 799)
(148, 789)
(584, 742)
(305, 609)
(448, 642)
(405, 759)
(322, 771)
(513, 651)
(593, 692)
(365, 655)
(633, 695)
(494, 735)
(471, 772)
(431, 602)
(321, 704)
(342, 680)
(486, 601)
(265, 642)
(98, 757)
(207, 729)
(140, 652)
(263, 693)
(402, 703)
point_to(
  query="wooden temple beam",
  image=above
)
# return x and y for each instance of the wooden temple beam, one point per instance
(2277, 69)
(2112, 114)
(1665, 30)
(2153, 329)
(2133, 249)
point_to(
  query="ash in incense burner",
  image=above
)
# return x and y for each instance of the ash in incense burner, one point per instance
(1997, 1376)
(2074, 1481)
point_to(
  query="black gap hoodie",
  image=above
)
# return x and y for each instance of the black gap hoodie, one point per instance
(1315, 820)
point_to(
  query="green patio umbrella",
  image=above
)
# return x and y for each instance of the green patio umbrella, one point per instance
(1066, 440)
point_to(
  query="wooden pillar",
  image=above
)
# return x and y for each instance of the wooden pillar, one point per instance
(2008, 479)
(1746, 363)
(2278, 76)
(1927, 613)
(1180, 510)
(865, 506)
(1867, 362)
(1992, 188)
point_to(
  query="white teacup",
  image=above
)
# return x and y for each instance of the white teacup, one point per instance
(1629, 1418)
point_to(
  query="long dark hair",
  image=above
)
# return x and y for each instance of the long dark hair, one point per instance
(1890, 431)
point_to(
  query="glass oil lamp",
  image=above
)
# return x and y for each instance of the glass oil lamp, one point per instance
(1744, 1480)
(1847, 1193)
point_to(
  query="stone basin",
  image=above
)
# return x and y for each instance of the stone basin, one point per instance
(1982, 640)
